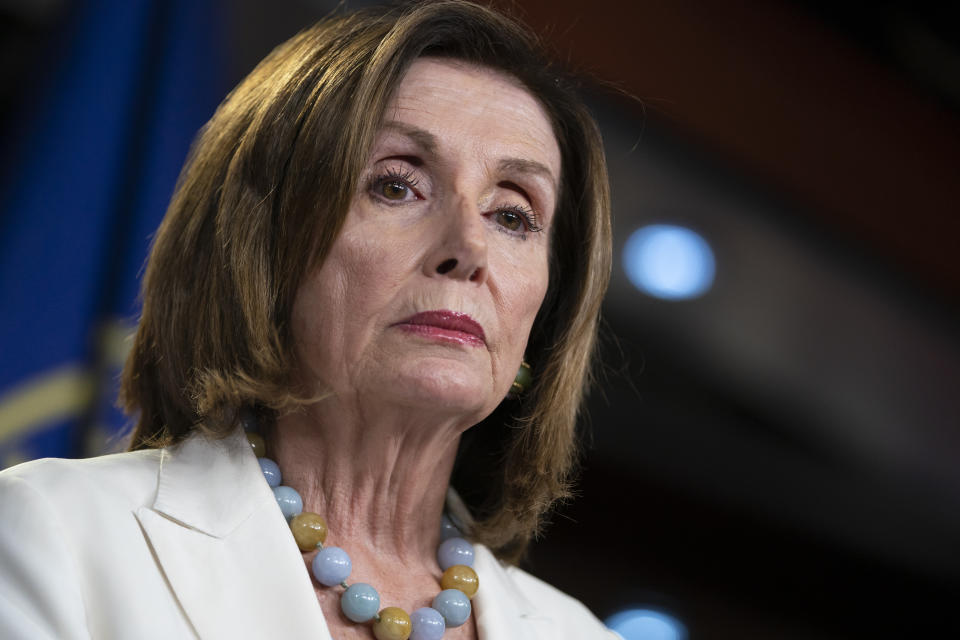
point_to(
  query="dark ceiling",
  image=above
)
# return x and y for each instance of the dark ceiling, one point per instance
(835, 108)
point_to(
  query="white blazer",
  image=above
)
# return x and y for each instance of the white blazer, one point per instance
(188, 542)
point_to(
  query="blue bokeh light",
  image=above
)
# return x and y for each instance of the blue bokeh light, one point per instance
(646, 624)
(669, 262)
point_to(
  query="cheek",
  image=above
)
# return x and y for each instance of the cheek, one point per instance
(321, 307)
(337, 308)
(315, 326)
(373, 270)
(533, 296)
(525, 292)
(361, 271)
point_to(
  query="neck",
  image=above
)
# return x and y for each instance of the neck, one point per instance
(378, 478)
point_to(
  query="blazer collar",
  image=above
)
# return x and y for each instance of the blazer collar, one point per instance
(210, 485)
(225, 547)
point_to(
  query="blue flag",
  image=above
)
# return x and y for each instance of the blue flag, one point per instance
(91, 156)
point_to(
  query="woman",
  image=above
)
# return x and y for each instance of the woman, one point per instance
(377, 227)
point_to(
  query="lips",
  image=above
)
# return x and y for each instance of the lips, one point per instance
(445, 326)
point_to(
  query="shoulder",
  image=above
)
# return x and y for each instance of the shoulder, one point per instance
(63, 524)
(544, 597)
(127, 479)
(542, 609)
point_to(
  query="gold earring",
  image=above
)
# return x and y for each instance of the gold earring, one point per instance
(522, 381)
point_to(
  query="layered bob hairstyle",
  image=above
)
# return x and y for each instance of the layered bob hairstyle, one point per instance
(260, 201)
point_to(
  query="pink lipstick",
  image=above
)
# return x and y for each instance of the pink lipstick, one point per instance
(445, 326)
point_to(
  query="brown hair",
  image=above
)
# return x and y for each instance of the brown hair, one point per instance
(244, 227)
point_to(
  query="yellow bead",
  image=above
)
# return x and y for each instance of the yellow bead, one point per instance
(308, 529)
(394, 624)
(257, 443)
(461, 577)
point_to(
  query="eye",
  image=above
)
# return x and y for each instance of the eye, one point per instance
(516, 219)
(394, 186)
(510, 220)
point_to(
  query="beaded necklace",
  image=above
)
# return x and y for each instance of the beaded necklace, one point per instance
(360, 601)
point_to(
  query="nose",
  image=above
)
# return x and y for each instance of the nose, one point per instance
(461, 248)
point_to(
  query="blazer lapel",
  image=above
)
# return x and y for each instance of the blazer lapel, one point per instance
(224, 546)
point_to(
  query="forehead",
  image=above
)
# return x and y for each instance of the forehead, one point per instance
(475, 109)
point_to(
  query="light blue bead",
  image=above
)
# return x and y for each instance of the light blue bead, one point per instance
(453, 605)
(331, 566)
(428, 624)
(271, 471)
(448, 529)
(360, 602)
(454, 551)
(289, 500)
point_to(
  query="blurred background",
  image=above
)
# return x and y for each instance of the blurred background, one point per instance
(773, 450)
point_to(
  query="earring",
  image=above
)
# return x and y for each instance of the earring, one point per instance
(522, 381)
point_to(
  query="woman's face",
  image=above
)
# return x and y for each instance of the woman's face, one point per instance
(428, 295)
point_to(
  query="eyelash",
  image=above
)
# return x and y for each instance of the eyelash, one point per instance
(408, 178)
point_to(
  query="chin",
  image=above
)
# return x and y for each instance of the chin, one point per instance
(451, 389)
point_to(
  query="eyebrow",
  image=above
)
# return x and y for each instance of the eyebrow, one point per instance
(529, 167)
(428, 142)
